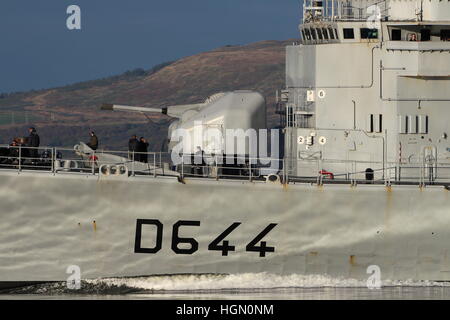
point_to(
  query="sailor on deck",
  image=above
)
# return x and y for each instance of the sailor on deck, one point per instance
(143, 149)
(93, 141)
(133, 147)
(33, 143)
(199, 161)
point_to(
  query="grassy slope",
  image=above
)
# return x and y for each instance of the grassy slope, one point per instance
(63, 115)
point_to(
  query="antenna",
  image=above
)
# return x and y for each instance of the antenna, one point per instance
(421, 10)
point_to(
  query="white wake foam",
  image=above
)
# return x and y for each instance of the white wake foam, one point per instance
(249, 281)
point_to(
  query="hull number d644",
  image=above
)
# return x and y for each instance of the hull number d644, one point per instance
(190, 245)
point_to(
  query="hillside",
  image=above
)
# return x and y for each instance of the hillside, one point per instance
(64, 115)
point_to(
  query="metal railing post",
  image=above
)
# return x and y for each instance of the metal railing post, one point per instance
(132, 163)
(422, 175)
(387, 180)
(217, 167)
(53, 160)
(319, 172)
(182, 166)
(154, 165)
(93, 163)
(352, 174)
(20, 158)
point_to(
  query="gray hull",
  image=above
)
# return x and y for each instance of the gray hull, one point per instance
(52, 222)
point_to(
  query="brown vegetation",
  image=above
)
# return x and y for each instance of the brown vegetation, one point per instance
(63, 115)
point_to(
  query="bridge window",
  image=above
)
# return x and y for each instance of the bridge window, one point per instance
(367, 33)
(445, 35)
(396, 35)
(307, 34)
(349, 33)
(331, 33)
(412, 32)
(319, 34)
(325, 33)
(313, 34)
(425, 35)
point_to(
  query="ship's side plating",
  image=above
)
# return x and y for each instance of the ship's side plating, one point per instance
(93, 223)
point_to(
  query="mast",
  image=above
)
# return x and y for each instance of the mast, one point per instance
(421, 10)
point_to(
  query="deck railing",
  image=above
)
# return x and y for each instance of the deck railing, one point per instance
(153, 164)
(59, 160)
(338, 10)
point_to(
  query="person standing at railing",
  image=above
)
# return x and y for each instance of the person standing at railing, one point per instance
(133, 147)
(199, 161)
(93, 141)
(33, 143)
(143, 149)
(14, 153)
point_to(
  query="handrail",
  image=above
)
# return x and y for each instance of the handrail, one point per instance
(61, 160)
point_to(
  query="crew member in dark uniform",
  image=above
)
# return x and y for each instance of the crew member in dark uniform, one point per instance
(133, 144)
(33, 143)
(143, 149)
(199, 161)
(93, 141)
(14, 152)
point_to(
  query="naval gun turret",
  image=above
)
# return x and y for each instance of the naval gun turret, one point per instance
(243, 111)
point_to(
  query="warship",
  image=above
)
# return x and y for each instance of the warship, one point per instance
(360, 179)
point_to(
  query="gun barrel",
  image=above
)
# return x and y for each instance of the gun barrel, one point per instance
(115, 107)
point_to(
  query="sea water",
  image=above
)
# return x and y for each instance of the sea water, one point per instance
(251, 286)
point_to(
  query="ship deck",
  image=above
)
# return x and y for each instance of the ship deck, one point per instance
(126, 165)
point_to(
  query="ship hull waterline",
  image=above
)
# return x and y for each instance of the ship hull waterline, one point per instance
(141, 226)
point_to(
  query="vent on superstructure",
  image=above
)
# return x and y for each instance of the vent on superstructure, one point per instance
(214, 97)
(413, 124)
(423, 124)
(402, 124)
(375, 123)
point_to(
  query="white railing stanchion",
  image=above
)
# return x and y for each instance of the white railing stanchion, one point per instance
(132, 163)
(217, 167)
(182, 166)
(53, 160)
(20, 158)
(66, 161)
(93, 163)
(154, 165)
